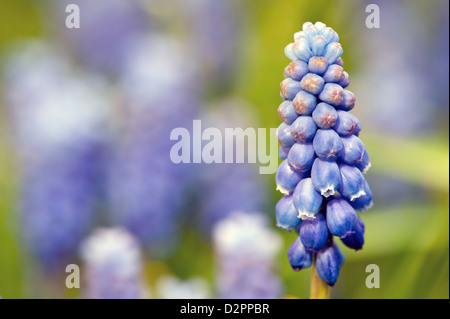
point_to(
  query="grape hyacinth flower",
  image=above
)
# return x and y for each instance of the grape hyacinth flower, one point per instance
(59, 122)
(321, 176)
(113, 265)
(245, 249)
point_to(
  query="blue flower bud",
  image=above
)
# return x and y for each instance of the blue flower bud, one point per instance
(364, 165)
(317, 65)
(356, 239)
(306, 199)
(283, 152)
(289, 52)
(325, 176)
(297, 70)
(340, 217)
(327, 144)
(325, 115)
(339, 62)
(332, 52)
(287, 178)
(303, 129)
(346, 123)
(318, 44)
(286, 214)
(284, 136)
(328, 264)
(301, 50)
(330, 35)
(289, 88)
(314, 233)
(364, 202)
(353, 151)
(298, 257)
(332, 94)
(287, 112)
(312, 83)
(298, 35)
(334, 74)
(345, 80)
(348, 101)
(304, 103)
(301, 156)
(352, 182)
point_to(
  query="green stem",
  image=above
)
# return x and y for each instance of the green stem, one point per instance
(319, 288)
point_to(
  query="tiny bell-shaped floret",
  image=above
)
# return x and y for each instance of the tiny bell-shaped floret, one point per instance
(284, 135)
(332, 94)
(298, 257)
(314, 233)
(356, 239)
(301, 49)
(334, 74)
(364, 165)
(325, 115)
(304, 103)
(332, 52)
(287, 178)
(341, 217)
(345, 80)
(301, 156)
(364, 202)
(353, 151)
(286, 214)
(346, 123)
(327, 144)
(303, 129)
(297, 70)
(289, 52)
(352, 182)
(317, 65)
(289, 88)
(307, 200)
(325, 176)
(348, 101)
(318, 43)
(328, 263)
(287, 112)
(312, 83)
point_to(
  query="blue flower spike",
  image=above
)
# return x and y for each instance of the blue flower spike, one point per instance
(324, 157)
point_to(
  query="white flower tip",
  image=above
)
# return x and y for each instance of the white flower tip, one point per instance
(306, 215)
(357, 195)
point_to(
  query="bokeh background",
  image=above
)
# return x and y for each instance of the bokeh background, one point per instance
(85, 118)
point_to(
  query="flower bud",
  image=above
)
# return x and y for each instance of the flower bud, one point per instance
(287, 112)
(312, 83)
(352, 182)
(317, 65)
(330, 35)
(328, 264)
(306, 199)
(332, 94)
(289, 88)
(340, 217)
(283, 152)
(303, 129)
(304, 103)
(346, 123)
(332, 52)
(314, 233)
(353, 151)
(325, 115)
(348, 101)
(325, 176)
(286, 214)
(356, 239)
(289, 52)
(301, 50)
(284, 136)
(298, 257)
(364, 202)
(327, 144)
(287, 178)
(318, 44)
(297, 70)
(339, 61)
(334, 74)
(301, 156)
(345, 80)
(364, 165)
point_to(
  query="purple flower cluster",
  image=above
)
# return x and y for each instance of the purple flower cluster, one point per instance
(324, 160)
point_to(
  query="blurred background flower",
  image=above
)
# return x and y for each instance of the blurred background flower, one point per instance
(85, 118)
